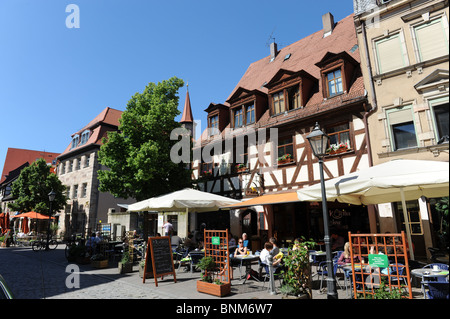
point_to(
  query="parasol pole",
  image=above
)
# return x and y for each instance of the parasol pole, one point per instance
(407, 225)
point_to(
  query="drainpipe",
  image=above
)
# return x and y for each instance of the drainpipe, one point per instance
(372, 92)
(371, 209)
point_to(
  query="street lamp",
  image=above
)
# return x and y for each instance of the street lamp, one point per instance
(51, 198)
(319, 144)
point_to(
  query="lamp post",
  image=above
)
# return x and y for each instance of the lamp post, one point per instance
(319, 144)
(51, 198)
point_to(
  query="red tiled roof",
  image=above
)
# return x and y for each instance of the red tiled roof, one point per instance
(16, 157)
(305, 53)
(108, 117)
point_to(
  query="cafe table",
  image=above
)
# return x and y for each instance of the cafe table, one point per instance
(246, 260)
(426, 273)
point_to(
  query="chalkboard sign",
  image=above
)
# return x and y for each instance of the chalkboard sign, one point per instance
(159, 259)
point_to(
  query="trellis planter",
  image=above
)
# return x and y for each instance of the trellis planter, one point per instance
(214, 289)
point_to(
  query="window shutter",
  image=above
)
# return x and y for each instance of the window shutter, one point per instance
(400, 116)
(390, 54)
(431, 40)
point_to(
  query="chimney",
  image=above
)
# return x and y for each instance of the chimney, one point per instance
(273, 51)
(328, 24)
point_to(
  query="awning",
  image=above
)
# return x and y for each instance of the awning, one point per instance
(269, 199)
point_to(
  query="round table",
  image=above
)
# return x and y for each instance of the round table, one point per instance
(425, 273)
(245, 260)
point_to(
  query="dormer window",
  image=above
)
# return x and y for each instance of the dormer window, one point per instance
(238, 118)
(278, 102)
(250, 114)
(75, 141)
(214, 124)
(84, 137)
(334, 79)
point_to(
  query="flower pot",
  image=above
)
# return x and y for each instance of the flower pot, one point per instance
(286, 161)
(242, 170)
(125, 267)
(213, 289)
(99, 263)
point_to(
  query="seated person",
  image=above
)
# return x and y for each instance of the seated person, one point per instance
(175, 240)
(241, 249)
(268, 247)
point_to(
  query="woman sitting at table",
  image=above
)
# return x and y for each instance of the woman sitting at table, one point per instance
(346, 258)
(241, 249)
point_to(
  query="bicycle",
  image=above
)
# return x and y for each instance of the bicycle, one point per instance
(41, 244)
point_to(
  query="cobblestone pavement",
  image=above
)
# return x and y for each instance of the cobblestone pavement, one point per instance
(43, 275)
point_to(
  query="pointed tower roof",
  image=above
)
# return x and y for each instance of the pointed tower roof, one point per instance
(187, 111)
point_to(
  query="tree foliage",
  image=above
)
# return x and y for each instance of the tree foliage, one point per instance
(32, 187)
(138, 155)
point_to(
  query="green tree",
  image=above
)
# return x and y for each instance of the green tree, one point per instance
(32, 187)
(138, 155)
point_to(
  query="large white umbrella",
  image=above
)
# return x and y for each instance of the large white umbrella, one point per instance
(186, 200)
(397, 180)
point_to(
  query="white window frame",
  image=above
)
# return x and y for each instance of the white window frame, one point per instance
(404, 51)
(393, 146)
(444, 22)
(432, 102)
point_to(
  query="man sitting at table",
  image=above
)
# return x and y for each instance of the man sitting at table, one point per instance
(268, 247)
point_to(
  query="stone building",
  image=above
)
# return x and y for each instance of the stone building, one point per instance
(404, 47)
(87, 207)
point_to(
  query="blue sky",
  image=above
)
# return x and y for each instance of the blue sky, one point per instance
(54, 80)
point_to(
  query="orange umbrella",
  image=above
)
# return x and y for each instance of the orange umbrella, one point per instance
(25, 229)
(33, 215)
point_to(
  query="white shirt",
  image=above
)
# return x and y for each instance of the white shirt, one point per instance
(265, 256)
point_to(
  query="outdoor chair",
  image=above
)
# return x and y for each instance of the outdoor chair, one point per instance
(437, 290)
(323, 272)
(397, 275)
(195, 259)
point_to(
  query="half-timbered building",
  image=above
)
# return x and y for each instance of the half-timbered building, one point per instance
(255, 147)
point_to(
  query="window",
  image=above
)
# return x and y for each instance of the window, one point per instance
(278, 102)
(84, 137)
(214, 124)
(250, 114)
(439, 108)
(87, 161)
(431, 40)
(285, 149)
(294, 97)
(70, 167)
(334, 80)
(75, 191)
(238, 118)
(75, 141)
(401, 128)
(84, 190)
(389, 52)
(340, 134)
(207, 169)
(78, 163)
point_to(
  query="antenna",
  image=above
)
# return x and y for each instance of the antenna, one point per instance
(271, 37)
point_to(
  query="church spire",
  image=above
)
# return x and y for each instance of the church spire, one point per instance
(187, 111)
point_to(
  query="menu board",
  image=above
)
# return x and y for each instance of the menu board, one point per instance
(159, 259)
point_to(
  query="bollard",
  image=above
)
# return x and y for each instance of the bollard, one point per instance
(271, 279)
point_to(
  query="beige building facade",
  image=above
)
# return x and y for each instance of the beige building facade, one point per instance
(404, 47)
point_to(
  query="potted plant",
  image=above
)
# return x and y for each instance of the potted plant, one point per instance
(241, 168)
(337, 148)
(125, 264)
(99, 261)
(208, 284)
(297, 272)
(286, 158)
